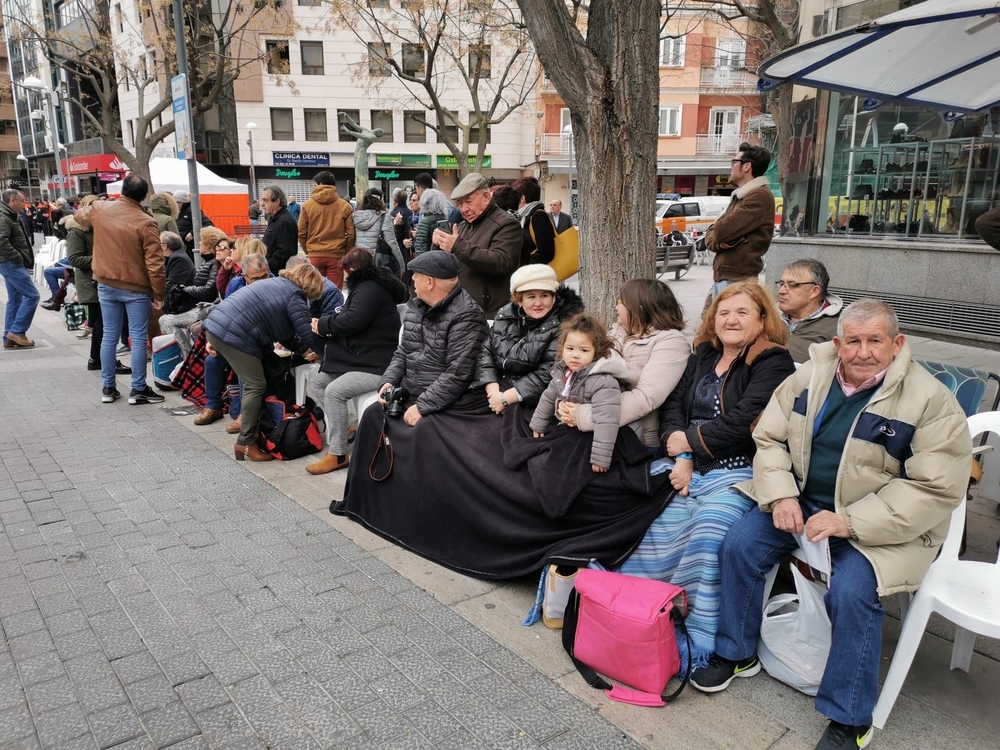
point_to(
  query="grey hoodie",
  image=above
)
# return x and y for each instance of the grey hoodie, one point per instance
(367, 223)
(600, 385)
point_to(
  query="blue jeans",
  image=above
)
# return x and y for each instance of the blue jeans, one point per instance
(752, 547)
(216, 374)
(114, 304)
(22, 297)
(54, 274)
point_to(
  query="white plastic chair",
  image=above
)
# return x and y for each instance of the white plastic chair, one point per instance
(966, 593)
(401, 309)
(302, 375)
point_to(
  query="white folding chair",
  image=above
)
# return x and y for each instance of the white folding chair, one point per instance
(965, 592)
(302, 375)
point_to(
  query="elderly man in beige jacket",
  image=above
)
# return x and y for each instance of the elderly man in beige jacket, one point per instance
(864, 448)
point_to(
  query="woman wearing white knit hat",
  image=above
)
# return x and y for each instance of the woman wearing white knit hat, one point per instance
(516, 360)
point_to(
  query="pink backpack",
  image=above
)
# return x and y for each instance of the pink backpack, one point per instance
(624, 627)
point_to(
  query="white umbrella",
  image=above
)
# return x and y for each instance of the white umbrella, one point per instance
(943, 54)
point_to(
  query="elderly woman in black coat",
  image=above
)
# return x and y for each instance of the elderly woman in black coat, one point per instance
(360, 341)
(244, 327)
(516, 360)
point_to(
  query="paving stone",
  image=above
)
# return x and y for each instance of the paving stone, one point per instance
(169, 724)
(61, 725)
(115, 725)
(135, 667)
(23, 623)
(330, 725)
(45, 696)
(16, 723)
(379, 722)
(202, 694)
(276, 724)
(152, 692)
(432, 721)
(224, 725)
(253, 694)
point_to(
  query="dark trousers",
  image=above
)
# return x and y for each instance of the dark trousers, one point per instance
(250, 370)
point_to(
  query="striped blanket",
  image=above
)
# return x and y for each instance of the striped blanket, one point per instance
(682, 547)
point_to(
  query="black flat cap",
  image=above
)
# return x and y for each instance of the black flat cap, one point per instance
(436, 263)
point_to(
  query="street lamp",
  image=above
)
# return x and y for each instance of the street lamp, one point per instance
(36, 84)
(251, 126)
(567, 133)
(27, 170)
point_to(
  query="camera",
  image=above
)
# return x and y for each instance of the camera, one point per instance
(394, 398)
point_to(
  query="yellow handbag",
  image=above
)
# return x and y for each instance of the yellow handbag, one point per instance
(566, 261)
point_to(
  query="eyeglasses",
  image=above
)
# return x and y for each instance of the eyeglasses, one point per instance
(738, 161)
(251, 279)
(793, 284)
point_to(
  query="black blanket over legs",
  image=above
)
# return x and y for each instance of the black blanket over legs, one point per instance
(477, 493)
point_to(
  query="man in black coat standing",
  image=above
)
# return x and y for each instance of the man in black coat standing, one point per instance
(281, 238)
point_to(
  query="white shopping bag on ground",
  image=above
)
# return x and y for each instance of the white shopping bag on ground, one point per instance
(795, 636)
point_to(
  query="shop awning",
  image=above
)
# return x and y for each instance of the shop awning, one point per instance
(693, 166)
(943, 54)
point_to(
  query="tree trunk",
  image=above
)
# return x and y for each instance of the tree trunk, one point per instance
(610, 82)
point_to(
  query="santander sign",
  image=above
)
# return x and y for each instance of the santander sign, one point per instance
(93, 163)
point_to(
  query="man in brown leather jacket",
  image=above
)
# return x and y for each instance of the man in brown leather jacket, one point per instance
(128, 268)
(740, 237)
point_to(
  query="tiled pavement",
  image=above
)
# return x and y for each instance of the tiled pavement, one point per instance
(154, 593)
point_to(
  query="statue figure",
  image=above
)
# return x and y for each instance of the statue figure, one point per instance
(365, 138)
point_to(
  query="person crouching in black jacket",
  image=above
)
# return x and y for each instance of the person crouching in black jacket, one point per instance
(443, 331)
(360, 342)
(244, 327)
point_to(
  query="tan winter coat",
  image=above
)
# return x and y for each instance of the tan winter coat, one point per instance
(326, 225)
(658, 359)
(905, 467)
(599, 385)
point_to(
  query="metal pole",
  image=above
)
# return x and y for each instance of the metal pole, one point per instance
(253, 173)
(182, 69)
(50, 95)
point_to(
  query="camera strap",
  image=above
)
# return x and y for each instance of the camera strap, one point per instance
(384, 444)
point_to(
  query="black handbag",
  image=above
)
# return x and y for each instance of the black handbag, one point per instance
(294, 436)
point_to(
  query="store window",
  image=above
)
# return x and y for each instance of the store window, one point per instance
(905, 170)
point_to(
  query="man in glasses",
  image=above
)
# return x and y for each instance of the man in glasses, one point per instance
(810, 311)
(740, 237)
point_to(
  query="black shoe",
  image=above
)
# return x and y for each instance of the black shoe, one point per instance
(110, 395)
(146, 396)
(93, 364)
(845, 737)
(121, 369)
(720, 672)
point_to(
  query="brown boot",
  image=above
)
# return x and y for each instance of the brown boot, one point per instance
(208, 416)
(19, 339)
(252, 452)
(235, 426)
(328, 463)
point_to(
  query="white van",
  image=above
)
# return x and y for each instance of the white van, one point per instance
(696, 212)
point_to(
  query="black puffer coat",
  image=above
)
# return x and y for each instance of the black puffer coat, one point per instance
(519, 352)
(753, 376)
(204, 289)
(437, 357)
(365, 333)
(262, 313)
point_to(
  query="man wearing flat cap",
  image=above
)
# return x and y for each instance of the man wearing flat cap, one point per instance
(443, 330)
(488, 244)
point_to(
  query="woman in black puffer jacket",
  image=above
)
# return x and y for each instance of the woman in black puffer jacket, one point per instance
(244, 327)
(516, 360)
(360, 341)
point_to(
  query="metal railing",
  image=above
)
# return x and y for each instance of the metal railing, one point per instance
(728, 79)
(555, 144)
(708, 143)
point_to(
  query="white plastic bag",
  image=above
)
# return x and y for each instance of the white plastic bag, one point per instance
(795, 636)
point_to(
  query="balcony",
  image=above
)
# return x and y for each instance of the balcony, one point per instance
(555, 144)
(708, 144)
(728, 81)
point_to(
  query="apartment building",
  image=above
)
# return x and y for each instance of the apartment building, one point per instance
(10, 147)
(708, 93)
(281, 115)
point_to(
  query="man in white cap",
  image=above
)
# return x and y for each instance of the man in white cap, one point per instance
(488, 244)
